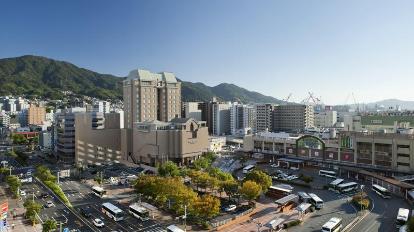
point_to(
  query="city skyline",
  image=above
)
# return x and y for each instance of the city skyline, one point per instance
(329, 48)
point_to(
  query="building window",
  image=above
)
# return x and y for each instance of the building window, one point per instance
(403, 164)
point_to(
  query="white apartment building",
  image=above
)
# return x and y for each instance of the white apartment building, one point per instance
(101, 106)
(242, 119)
(264, 117)
(151, 96)
(325, 119)
(191, 110)
(221, 118)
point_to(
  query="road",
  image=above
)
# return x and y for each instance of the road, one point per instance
(81, 196)
(382, 218)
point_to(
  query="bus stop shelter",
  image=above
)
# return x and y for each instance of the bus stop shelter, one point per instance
(288, 163)
(287, 203)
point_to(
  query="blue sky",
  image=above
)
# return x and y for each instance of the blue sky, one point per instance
(331, 48)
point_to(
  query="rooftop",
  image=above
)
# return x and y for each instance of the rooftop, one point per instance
(145, 75)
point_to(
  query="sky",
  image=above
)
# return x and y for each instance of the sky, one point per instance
(330, 48)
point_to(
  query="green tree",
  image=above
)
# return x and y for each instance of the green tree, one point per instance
(169, 168)
(32, 210)
(250, 190)
(230, 187)
(44, 174)
(49, 225)
(14, 184)
(201, 163)
(261, 178)
(19, 139)
(206, 207)
(220, 175)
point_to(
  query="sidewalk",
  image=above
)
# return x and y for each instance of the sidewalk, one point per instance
(16, 208)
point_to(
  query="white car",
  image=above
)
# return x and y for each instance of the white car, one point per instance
(49, 204)
(22, 193)
(274, 165)
(230, 208)
(294, 168)
(98, 222)
(292, 177)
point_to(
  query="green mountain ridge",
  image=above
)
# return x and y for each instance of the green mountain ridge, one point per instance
(40, 76)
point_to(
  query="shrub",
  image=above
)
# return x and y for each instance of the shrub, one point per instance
(58, 191)
(292, 223)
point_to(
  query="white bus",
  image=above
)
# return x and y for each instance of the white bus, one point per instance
(383, 192)
(315, 201)
(248, 168)
(333, 225)
(402, 217)
(139, 212)
(112, 211)
(304, 197)
(347, 187)
(335, 183)
(98, 191)
(330, 174)
(174, 228)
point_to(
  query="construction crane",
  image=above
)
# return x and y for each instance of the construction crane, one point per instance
(287, 98)
(311, 100)
(355, 103)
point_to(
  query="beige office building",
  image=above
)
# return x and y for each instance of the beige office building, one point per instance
(98, 138)
(151, 96)
(36, 115)
(180, 140)
(264, 117)
(293, 118)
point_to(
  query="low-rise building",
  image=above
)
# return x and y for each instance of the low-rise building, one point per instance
(180, 140)
(215, 144)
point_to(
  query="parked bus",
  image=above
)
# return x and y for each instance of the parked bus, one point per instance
(333, 225)
(402, 217)
(98, 191)
(112, 211)
(330, 174)
(383, 192)
(334, 184)
(347, 187)
(316, 201)
(139, 212)
(248, 168)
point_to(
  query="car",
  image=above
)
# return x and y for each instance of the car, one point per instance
(230, 208)
(279, 172)
(292, 177)
(44, 195)
(49, 204)
(22, 193)
(86, 212)
(98, 223)
(274, 165)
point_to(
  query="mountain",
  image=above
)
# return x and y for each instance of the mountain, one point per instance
(40, 76)
(388, 103)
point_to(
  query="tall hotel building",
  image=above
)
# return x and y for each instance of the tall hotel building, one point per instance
(151, 96)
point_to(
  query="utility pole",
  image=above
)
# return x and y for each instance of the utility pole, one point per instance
(58, 177)
(10, 171)
(33, 197)
(185, 218)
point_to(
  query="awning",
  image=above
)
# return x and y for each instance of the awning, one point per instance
(273, 224)
(303, 207)
(287, 199)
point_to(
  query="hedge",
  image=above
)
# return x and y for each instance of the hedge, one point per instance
(292, 223)
(58, 191)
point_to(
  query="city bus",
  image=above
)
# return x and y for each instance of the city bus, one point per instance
(333, 225)
(347, 187)
(383, 192)
(139, 212)
(330, 174)
(98, 191)
(112, 211)
(402, 217)
(248, 168)
(315, 201)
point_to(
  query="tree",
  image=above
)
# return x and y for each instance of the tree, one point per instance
(201, 163)
(14, 184)
(19, 139)
(250, 190)
(169, 168)
(49, 225)
(206, 207)
(44, 174)
(219, 174)
(32, 208)
(261, 178)
(230, 187)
